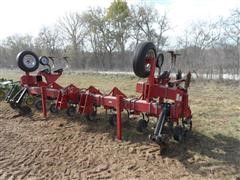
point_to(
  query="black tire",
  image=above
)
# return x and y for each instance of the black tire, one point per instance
(187, 126)
(179, 75)
(71, 111)
(38, 104)
(160, 60)
(53, 109)
(22, 61)
(139, 60)
(43, 60)
(142, 125)
(178, 133)
(92, 116)
(112, 120)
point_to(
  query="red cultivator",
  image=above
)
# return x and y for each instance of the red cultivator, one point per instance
(160, 96)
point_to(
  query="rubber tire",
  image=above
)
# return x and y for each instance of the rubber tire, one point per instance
(21, 65)
(38, 104)
(139, 59)
(142, 125)
(186, 132)
(53, 109)
(179, 75)
(160, 56)
(71, 111)
(112, 120)
(92, 116)
(178, 133)
(41, 62)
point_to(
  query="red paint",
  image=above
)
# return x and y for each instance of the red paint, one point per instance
(119, 117)
(44, 108)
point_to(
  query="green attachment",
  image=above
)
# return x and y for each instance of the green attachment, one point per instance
(6, 86)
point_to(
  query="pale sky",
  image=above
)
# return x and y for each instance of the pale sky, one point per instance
(28, 16)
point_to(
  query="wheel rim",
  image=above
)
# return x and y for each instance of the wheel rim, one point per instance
(147, 67)
(29, 101)
(150, 54)
(187, 124)
(44, 60)
(29, 61)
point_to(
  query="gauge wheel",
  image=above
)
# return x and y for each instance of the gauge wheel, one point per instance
(187, 126)
(43, 60)
(92, 116)
(27, 61)
(29, 100)
(178, 133)
(53, 109)
(142, 125)
(38, 104)
(71, 111)
(160, 60)
(141, 67)
(112, 120)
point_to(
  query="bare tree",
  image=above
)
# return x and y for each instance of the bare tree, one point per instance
(13, 45)
(149, 25)
(232, 34)
(49, 41)
(72, 28)
(118, 15)
(100, 36)
(162, 27)
(18, 42)
(197, 39)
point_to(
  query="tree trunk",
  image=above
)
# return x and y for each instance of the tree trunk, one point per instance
(220, 72)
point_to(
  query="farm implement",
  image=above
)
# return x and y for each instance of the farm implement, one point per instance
(30, 91)
(6, 86)
(161, 96)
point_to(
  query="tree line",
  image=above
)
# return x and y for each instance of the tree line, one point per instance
(105, 39)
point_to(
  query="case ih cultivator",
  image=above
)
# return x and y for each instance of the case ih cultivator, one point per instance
(161, 96)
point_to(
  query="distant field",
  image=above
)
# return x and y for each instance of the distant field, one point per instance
(214, 148)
